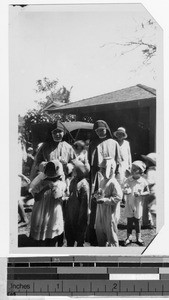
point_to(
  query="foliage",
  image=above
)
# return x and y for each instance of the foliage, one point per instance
(143, 38)
(87, 119)
(53, 94)
(46, 85)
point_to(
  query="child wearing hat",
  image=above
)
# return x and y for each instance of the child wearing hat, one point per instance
(135, 188)
(47, 225)
(77, 206)
(108, 199)
(125, 153)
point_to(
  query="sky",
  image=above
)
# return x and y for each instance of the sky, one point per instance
(77, 45)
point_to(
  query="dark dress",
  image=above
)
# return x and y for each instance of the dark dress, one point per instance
(76, 212)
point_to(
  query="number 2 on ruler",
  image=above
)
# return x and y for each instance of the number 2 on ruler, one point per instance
(114, 286)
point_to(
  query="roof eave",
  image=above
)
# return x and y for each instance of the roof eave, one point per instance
(96, 106)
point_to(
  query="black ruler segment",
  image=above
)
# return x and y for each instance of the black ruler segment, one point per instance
(107, 264)
(56, 276)
(84, 264)
(88, 275)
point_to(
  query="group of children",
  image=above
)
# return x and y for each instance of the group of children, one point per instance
(61, 204)
(79, 190)
(138, 189)
(62, 201)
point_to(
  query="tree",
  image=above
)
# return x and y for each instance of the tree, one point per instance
(144, 38)
(53, 94)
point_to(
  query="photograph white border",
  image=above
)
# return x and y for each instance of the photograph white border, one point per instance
(72, 251)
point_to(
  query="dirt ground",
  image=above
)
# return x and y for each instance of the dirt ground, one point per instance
(25, 241)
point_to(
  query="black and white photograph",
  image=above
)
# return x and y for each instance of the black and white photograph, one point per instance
(85, 89)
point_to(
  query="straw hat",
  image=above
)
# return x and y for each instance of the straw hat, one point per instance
(150, 157)
(121, 130)
(140, 164)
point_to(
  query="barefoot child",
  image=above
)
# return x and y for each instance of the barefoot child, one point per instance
(108, 200)
(136, 188)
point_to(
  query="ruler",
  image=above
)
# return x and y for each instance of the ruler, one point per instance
(88, 275)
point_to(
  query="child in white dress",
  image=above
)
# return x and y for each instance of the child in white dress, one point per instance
(47, 223)
(136, 188)
(108, 199)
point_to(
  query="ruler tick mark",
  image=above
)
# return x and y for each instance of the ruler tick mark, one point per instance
(42, 287)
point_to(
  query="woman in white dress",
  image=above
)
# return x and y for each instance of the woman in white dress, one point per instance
(125, 154)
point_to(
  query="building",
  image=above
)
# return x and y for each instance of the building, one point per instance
(133, 108)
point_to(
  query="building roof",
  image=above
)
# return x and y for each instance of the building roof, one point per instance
(52, 106)
(132, 93)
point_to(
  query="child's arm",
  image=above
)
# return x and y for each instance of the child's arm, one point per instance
(38, 185)
(86, 162)
(116, 196)
(25, 178)
(127, 189)
(144, 193)
(38, 195)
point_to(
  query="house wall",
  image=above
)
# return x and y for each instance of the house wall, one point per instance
(139, 121)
